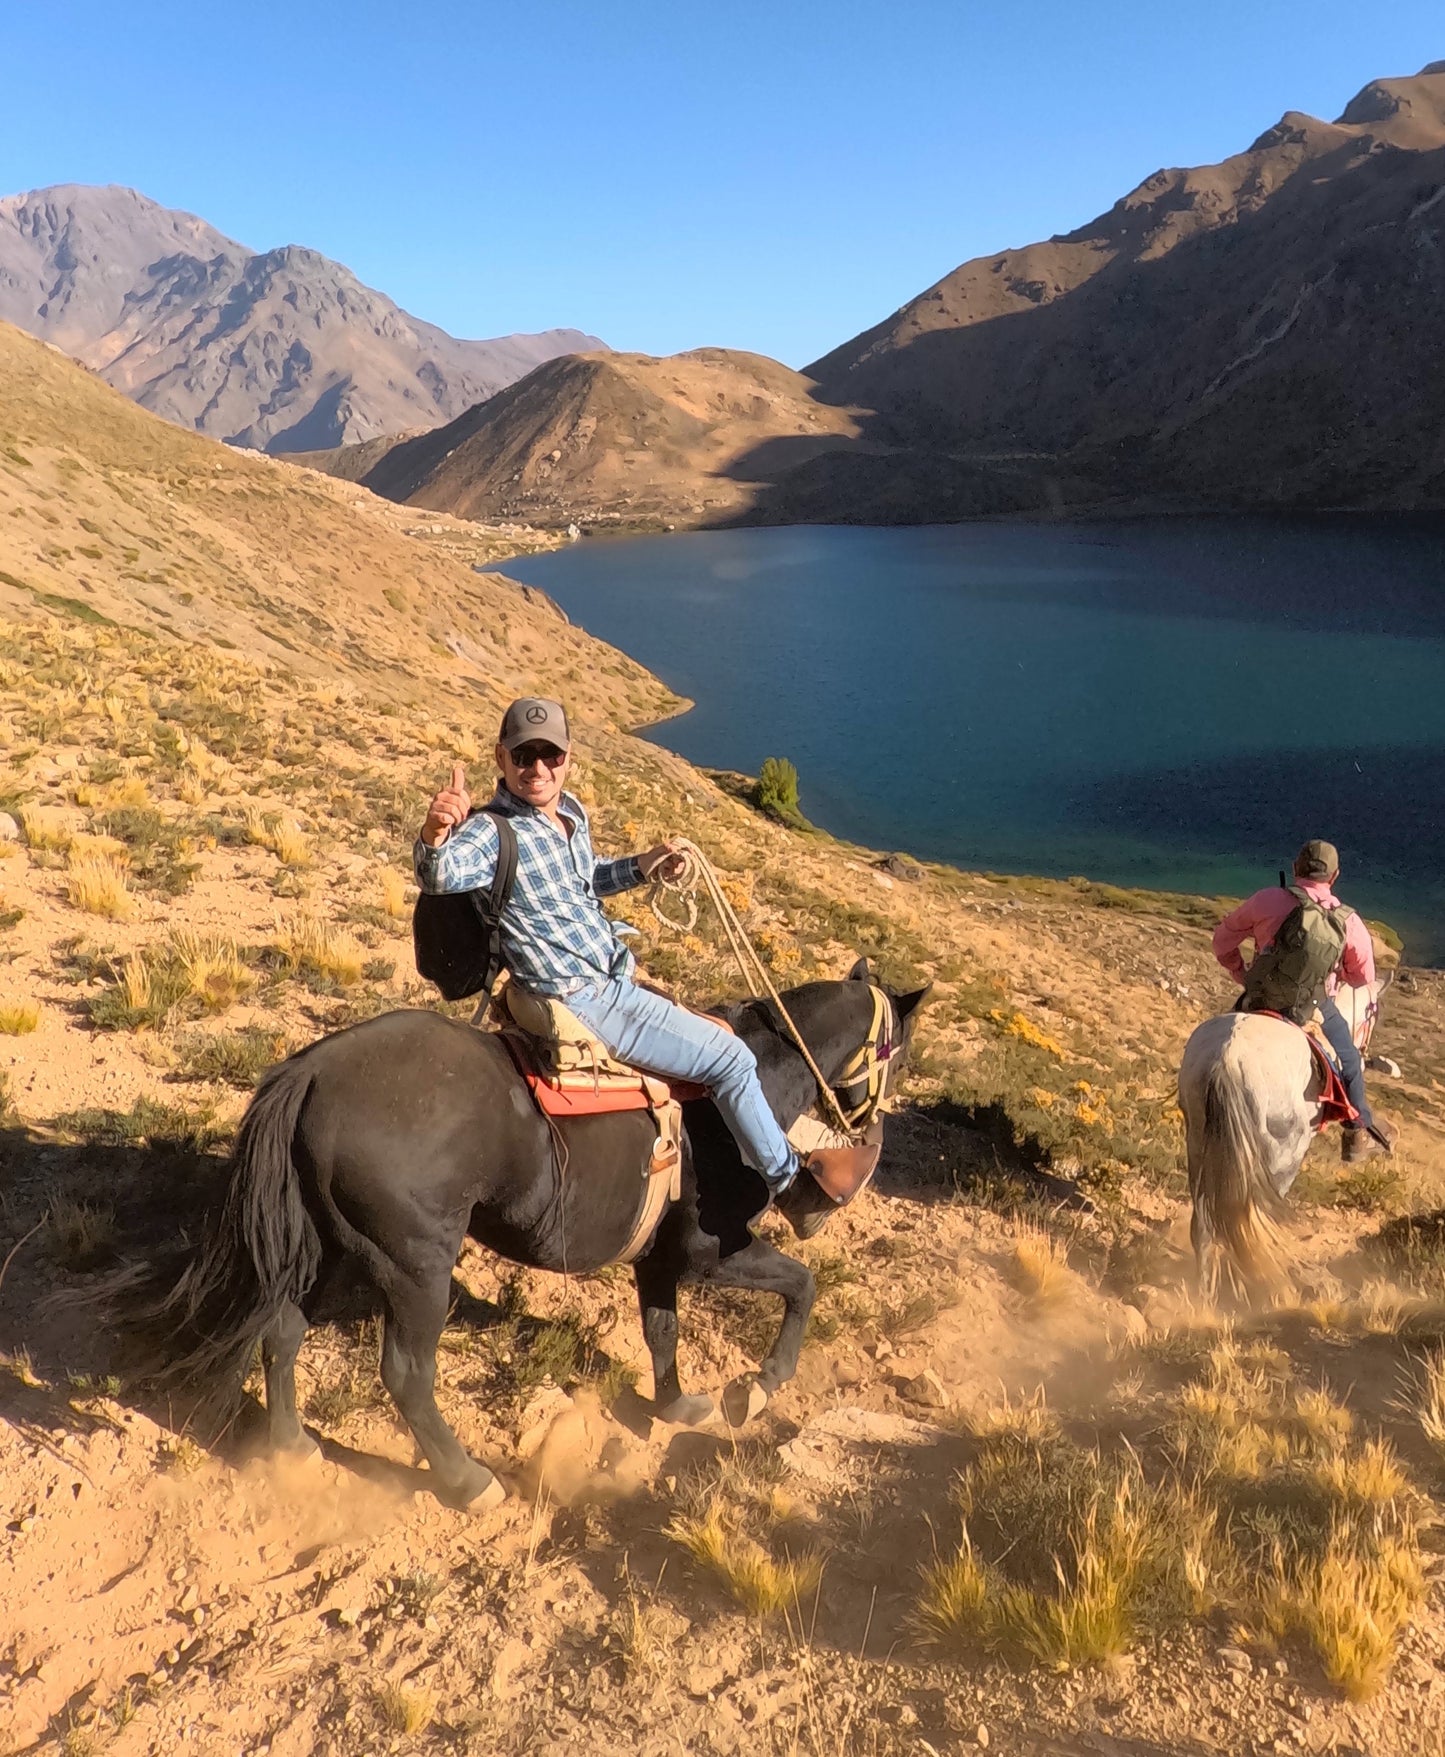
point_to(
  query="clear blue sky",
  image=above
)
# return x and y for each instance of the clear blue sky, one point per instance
(759, 175)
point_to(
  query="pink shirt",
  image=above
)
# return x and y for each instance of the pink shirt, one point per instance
(1258, 918)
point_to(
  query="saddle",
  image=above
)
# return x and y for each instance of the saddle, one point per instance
(570, 1074)
(1335, 1106)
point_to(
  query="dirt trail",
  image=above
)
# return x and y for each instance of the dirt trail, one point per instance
(1004, 1333)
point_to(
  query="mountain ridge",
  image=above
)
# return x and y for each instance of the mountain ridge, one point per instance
(1249, 333)
(281, 350)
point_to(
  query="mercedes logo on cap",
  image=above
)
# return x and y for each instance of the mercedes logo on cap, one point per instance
(536, 715)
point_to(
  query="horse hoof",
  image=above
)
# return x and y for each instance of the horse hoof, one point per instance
(688, 1412)
(300, 1450)
(478, 1491)
(743, 1402)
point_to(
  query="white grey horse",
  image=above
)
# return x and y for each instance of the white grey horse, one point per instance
(1249, 1088)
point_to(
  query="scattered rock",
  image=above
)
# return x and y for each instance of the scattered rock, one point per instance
(1236, 1659)
(897, 867)
(829, 1447)
(980, 1736)
(512, 1656)
(702, 1680)
(926, 1388)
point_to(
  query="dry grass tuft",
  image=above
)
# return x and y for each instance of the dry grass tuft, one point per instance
(213, 971)
(80, 1235)
(19, 1019)
(1383, 1308)
(955, 1598)
(44, 830)
(406, 1710)
(759, 1582)
(1430, 1398)
(1369, 1478)
(393, 893)
(281, 835)
(314, 948)
(1352, 1606)
(641, 1634)
(1028, 1419)
(85, 845)
(98, 887)
(1064, 1556)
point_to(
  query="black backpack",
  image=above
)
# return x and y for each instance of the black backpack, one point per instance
(1289, 976)
(457, 936)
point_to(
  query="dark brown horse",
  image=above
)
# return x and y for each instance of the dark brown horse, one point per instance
(384, 1145)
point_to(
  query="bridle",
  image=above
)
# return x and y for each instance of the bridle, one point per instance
(861, 1089)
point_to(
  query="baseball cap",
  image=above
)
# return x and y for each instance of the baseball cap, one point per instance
(1317, 860)
(535, 720)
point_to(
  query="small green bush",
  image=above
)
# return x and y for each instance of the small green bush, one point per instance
(777, 792)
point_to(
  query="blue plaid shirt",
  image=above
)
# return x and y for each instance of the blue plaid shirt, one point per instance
(555, 938)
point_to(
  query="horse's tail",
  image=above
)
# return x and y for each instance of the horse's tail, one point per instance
(1234, 1226)
(195, 1331)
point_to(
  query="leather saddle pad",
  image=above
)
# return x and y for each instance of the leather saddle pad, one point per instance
(579, 1092)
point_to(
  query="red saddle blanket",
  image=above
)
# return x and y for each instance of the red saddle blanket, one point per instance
(1335, 1106)
(583, 1095)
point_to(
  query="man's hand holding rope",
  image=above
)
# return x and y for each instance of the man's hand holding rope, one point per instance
(665, 863)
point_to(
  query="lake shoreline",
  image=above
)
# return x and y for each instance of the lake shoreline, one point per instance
(1068, 699)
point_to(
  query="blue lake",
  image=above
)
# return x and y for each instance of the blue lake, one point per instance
(1176, 704)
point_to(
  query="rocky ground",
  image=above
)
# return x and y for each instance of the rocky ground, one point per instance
(165, 1591)
(1026, 1494)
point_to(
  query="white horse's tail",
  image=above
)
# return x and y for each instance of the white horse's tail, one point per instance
(1234, 1226)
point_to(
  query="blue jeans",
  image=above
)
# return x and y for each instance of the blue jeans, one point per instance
(1352, 1069)
(641, 1027)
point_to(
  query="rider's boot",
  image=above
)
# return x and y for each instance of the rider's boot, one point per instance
(1361, 1143)
(828, 1179)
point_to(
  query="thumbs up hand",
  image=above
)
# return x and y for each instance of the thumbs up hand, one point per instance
(447, 809)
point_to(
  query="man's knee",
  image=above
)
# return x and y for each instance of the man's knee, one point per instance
(735, 1062)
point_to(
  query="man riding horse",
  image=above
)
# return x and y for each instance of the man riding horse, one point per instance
(1262, 917)
(558, 943)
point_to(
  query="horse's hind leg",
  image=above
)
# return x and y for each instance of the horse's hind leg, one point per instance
(279, 1348)
(763, 1269)
(657, 1296)
(414, 1319)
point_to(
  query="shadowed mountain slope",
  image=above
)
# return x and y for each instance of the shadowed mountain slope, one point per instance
(1258, 332)
(285, 351)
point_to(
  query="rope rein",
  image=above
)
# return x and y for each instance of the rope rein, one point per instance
(698, 873)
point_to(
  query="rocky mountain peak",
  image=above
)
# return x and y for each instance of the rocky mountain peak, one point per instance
(281, 350)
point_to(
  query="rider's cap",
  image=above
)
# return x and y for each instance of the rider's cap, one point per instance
(535, 720)
(1317, 860)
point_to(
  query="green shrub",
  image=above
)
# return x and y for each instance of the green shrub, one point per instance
(777, 792)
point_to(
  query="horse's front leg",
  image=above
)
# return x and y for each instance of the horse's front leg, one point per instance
(657, 1295)
(763, 1268)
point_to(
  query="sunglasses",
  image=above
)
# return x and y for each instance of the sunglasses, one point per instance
(528, 756)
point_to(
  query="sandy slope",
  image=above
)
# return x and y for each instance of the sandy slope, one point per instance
(161, 1595)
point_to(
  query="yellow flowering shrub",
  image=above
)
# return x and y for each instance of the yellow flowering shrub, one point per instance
(1016, 1025)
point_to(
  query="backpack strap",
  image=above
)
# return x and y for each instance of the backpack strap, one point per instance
(506, 874)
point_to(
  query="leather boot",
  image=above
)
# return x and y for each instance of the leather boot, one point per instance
(828, 1179)
(1359, 1144)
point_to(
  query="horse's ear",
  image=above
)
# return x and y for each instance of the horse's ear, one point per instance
(860, 972)
(908, 1003)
